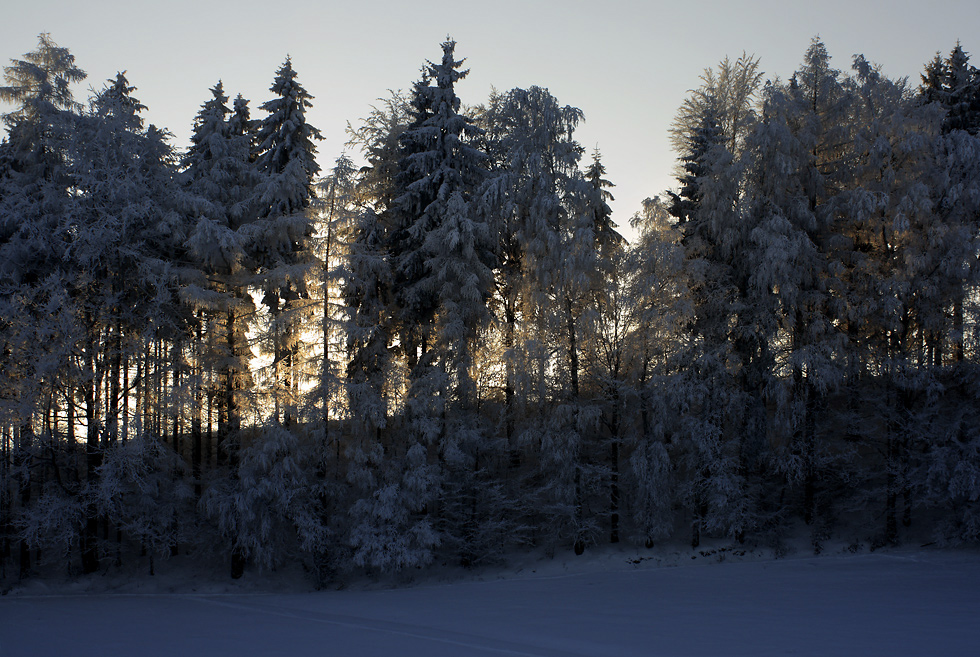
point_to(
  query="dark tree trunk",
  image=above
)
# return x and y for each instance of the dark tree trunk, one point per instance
(614, 471)
(24, 447)
(238, 562)
(572, 347)
(891, 493)
(510, 319)
(197, 452)
(93, 456)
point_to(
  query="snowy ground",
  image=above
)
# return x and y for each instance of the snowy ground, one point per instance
(894, 603)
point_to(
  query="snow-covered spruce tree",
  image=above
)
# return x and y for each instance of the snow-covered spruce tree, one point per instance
(459, 259)
(372, 458)
(947, 476)
(276, 228)
(457, 248)
(608, 240)
(699, 144)
(953, 84)
(391, 530)
(441, 258)
(597, 297)
(33, 201)
(366, 282)
(280, 239)
(702, 138)
(714, 387)
(123, 219)
(122, 222)
(717, 404)
(406, 225)
(220, 182)
(717, 384)
(718, 410)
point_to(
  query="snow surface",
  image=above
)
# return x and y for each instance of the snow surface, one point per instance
(894, 603)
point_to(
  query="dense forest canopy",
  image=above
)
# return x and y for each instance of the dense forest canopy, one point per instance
(451, 353)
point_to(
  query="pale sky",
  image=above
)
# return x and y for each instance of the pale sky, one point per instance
(627, 64)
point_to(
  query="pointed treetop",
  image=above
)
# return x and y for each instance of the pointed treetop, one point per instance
(955, 85)
(816, 70)
(240, 122)
(285, 146)
(117, 100)
(285, 134)
(446, 74)
(607, 238)
(210, 121)
(595, 174)
(44, 76)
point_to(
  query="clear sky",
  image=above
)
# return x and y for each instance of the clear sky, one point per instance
(628, 64)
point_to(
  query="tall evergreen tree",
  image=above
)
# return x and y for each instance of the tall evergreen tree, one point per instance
(280, 238)
(955, 84)
(35, 198)
(124, 219)
(705, 136)
(442, 267)
(220, 180)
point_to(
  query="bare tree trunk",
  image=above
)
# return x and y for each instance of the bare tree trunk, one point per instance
(614, 455)
(115, 377)
(958, 330)
(21, 461)
(572, 347)
(510, 411)
(125, 399)
(93, 453)
(197, 378)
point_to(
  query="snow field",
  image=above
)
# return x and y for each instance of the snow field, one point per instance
(887, 603)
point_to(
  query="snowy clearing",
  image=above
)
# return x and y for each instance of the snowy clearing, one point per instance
(886, 603)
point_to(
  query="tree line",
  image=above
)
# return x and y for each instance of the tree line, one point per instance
(450, 353)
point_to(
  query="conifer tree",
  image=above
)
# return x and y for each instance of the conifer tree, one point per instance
(706, 135)
(33, 204)
(220, 181)
(407, 226)
(339, 211)
(442, 270)
(714, 237)
(124, 219)
(604, 316)
(280, 238)
(954, 86)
